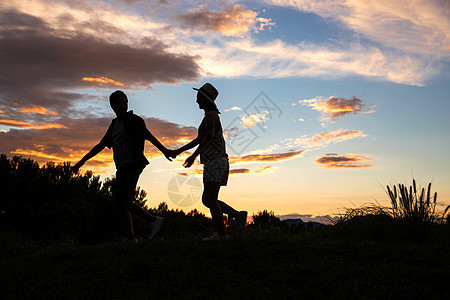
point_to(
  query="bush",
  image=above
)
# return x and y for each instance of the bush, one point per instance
(265, 219)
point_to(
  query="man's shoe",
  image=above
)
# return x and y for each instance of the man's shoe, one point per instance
(216, 237)
(155, 227)
(241, 221)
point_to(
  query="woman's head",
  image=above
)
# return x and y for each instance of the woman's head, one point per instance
(205, 104)
(206, 95)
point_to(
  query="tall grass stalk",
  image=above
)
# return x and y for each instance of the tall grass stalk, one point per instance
(412, 204)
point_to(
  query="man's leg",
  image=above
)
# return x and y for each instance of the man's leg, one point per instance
(139, 211)
(209, 199)
(126, 181)
(127, 223)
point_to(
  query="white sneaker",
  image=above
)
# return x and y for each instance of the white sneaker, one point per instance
(241, 221)
(155, 227)
(216, 237)
(126, 241)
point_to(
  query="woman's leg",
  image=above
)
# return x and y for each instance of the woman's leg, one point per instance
(209, 199)
(226, 209)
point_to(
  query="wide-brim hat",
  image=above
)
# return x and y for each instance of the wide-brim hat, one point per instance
(209, 91)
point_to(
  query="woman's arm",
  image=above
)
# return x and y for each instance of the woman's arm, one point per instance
(205, 141)
(188, 146)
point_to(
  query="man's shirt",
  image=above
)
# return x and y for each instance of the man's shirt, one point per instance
(127, 137)
(122, 151)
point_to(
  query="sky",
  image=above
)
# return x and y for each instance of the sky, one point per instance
(323, 103)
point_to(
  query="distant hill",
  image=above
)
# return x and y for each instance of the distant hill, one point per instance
(299, 221)
(294, 222)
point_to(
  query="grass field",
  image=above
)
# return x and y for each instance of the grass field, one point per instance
(315, 264)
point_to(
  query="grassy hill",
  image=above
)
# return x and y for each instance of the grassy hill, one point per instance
(320, 263)
(60, 238)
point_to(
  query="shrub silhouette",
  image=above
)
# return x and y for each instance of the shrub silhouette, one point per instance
(51, 202)
(265, 219)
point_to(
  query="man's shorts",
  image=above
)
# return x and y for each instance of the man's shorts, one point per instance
(126, 181)
(216, 170)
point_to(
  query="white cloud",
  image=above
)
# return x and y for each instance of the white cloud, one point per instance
(251, 120)
(233, 108)
(278, 59)
(419, 26)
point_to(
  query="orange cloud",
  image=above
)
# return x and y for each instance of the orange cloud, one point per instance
(239, 171)
(347, 161)
(102, 80)
(37, 109)
(233, 172)
(98, 164)
(71, 143)
(193, 172)
(266, 157)
(2, 111)
(447, 47)
(336, 107)
(259, 170)
(16, 123)
(232, 20)
(264, 169)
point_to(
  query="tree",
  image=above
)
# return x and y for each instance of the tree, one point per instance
(266, 219)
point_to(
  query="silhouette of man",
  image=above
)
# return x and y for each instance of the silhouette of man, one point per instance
(126, 135)
(211, 148)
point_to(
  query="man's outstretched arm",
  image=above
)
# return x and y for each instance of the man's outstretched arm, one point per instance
(152, 139)
(94, 151)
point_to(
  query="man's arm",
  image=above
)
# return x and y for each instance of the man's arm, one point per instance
(152, 139)
(94, 151)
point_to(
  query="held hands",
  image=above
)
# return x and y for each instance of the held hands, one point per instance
(172, 153)
(169, 154)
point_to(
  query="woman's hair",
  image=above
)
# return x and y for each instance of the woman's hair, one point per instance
(117, 94)
(211, 106)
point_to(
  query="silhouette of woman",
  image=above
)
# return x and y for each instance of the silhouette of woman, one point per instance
(211, 148)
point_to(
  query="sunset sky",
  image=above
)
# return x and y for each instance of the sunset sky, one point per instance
(323, 103)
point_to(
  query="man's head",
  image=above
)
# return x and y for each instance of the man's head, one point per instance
(119, 103)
